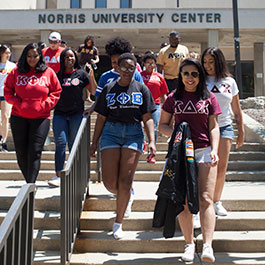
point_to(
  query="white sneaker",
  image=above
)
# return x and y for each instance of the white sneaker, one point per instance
(55, 182)
(219, 209)
(207, 253)
(189, 252)
(196, 221)
(129, 206)
(117, 231)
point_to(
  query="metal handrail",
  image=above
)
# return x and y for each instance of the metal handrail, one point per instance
(16, 230)
(74, 188)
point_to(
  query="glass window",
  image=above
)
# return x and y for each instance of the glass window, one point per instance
(75, 3)
(247, 68)
(101, 3)
(126, 3)
(51, 4)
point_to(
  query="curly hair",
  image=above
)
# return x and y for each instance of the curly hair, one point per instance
(118, 46)
(23, 66)
(148, 56)
(127, 56)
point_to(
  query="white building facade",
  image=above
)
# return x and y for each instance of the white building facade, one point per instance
(202, 23)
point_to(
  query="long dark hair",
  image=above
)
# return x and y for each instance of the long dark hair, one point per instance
(221, 69)
(23, 65)
(3, 48)
(62, 61)
(202, 91)
(89, 37)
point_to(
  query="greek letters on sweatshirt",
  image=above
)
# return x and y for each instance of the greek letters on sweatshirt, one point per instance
(32, 94)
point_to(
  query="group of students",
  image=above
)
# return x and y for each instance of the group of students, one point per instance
(129, 102)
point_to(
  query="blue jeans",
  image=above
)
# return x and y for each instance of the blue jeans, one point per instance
(122, 135)
(156, 117)
(64, 131)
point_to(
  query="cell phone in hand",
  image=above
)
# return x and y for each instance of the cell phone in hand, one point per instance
(87, 69)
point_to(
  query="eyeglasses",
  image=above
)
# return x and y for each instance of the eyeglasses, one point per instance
(130, 69)
(187, 74)
(53, 41)
(150, 64)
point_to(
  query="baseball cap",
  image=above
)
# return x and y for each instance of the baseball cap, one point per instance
(174, 33)
(55, 36)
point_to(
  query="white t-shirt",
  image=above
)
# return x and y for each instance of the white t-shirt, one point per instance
(224, 90)
(5, 69)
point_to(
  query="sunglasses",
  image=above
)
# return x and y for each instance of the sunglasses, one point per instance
(130, 69)
(187, 74)
(150, 64)
(53, 41)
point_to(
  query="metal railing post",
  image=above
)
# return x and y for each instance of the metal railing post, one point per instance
(16, 230)
(74, 189)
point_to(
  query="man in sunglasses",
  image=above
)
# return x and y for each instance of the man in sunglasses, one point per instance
(51, 54)
(169, 59)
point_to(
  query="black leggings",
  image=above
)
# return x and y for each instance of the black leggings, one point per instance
(29, 137)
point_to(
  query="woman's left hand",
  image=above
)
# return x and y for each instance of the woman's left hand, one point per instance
(152, 149)
(240, 140)
(214, 158)
(90, 73)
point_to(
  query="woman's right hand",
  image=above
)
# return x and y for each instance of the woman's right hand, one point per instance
(93, 149)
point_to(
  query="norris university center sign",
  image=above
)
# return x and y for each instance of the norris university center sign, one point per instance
(129, 18)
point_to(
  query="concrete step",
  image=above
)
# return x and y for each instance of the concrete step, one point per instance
(150, 241)
(241, 221)
(237, 241)
(253, 175)
(249, 147)
(46, 197)
(43, 257)
(234, 156)
(99, 258)
(232, 165)
(134, 241)
(46, 155)
(46, 240)
(153, 175)
(13, 165)
(50, 147)
(44, 175)
(247, 155)
(237, 196)
(49, 220)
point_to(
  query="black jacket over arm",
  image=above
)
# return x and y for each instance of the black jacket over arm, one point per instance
(179, 181)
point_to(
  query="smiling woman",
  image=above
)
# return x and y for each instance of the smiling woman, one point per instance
(193, 103)
(121, 107)
(33, 89)
(68, 112)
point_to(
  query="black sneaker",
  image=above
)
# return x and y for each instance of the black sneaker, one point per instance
(4, 147)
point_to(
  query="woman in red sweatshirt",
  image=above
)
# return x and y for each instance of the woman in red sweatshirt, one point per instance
(33, 89)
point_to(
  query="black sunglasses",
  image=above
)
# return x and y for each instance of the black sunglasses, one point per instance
(130, 69)
(193, 74)
(53, 41)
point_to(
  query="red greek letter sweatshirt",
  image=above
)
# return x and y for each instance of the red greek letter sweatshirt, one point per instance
(32, 94)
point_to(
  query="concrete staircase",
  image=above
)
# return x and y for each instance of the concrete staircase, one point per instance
(239, 237)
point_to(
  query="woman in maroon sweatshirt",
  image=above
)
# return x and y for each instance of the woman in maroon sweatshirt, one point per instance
(33, 89)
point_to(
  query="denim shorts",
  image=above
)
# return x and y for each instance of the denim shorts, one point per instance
(227, 132)
(121, 135)
(202, 155)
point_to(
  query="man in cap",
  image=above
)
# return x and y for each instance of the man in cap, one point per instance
(169, 59)
(52, 53)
